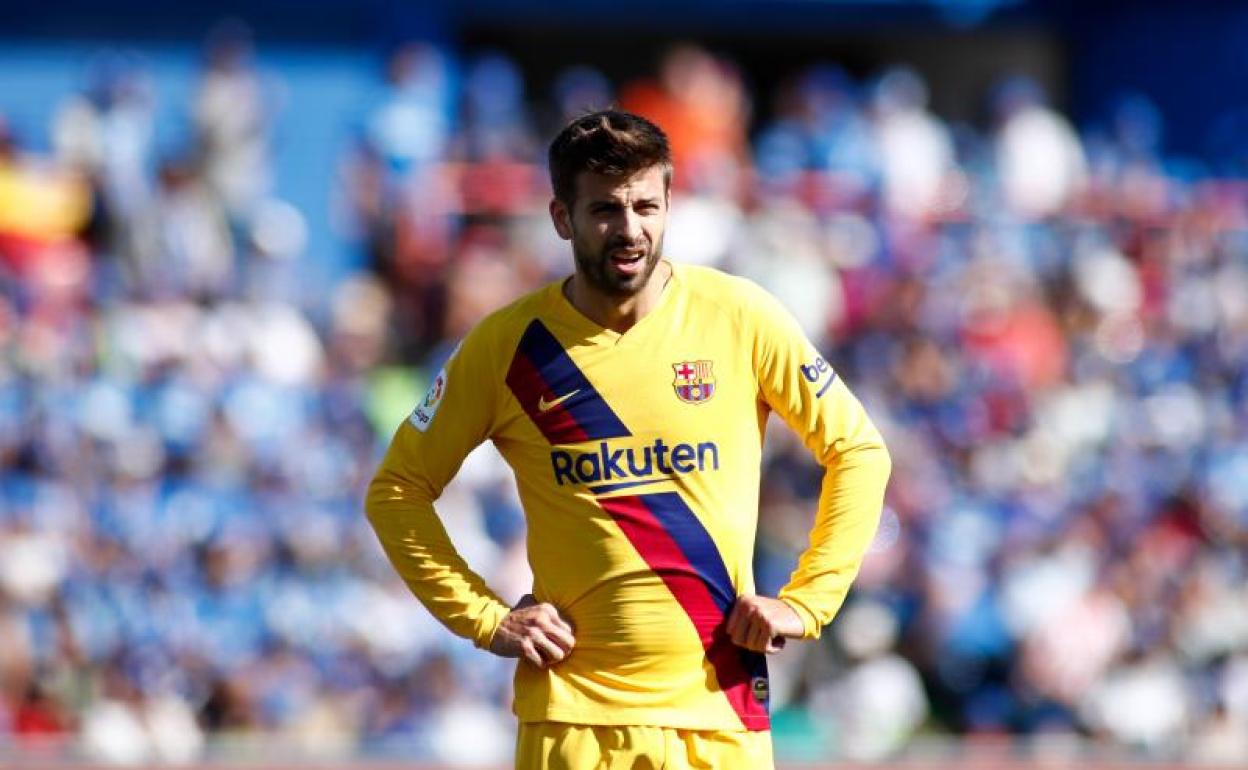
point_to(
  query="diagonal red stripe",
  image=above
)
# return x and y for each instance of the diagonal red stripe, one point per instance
(663, 555)
(556, 424)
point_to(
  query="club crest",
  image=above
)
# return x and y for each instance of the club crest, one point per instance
(695, 382)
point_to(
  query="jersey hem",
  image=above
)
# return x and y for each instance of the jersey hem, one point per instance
(678, 719)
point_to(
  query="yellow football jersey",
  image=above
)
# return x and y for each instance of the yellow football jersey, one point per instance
(637, 457)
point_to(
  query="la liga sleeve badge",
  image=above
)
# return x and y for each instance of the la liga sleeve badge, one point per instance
(423, 414)
(695, 381)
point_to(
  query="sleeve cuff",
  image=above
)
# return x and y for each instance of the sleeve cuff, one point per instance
(488, 624)
(811, 628)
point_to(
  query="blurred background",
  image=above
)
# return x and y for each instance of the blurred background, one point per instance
(233, 247)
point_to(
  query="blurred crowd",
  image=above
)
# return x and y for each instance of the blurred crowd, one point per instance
(1049, 323)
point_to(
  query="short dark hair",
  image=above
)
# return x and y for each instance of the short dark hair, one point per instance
(609, 142)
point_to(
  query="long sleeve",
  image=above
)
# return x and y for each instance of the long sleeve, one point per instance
(796, 382)
(453, 418)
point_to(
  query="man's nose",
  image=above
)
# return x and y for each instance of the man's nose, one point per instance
(630, 225)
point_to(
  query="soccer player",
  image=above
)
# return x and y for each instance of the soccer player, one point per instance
(630, 400)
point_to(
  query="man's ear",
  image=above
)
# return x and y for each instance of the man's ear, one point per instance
(562, 218)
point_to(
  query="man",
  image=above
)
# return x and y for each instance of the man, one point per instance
(630, 399)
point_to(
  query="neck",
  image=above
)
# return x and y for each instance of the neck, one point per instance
(617, 313)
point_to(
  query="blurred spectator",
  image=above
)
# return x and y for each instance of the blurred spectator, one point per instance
(496, 116)
(106, 133)
(44, 208)
(411, 129)
(701, 103)
(231, 113)
(38, 717)
(879, 700)
(121, 727)
(915, 148)
(1039, 158)
(195, 249)
(819, 126)
(1142, 703)
(576, 91)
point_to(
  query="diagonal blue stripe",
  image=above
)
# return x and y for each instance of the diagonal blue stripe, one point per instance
(587, 406)
(604, 488)
(695, 543)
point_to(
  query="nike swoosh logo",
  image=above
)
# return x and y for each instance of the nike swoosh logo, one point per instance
(545, 406)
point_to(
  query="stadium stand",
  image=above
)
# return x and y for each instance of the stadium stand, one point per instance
(223, 284)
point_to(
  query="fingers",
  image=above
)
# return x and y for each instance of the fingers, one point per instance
(737, 624)
(551, 636)
(548, 652)
(535, 632)
(556, 621)
(561, 635)
(742, 626)
(528, 651)
(541, 652)
(557, 634)
(752, 626)
(756, 634)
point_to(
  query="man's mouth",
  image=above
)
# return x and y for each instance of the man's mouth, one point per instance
(628, 262)
(627, 255)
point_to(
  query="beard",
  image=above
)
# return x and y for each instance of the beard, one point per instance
(596, 267)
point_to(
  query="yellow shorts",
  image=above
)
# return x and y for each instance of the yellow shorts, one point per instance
(560, 746)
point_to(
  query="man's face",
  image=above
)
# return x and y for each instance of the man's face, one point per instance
(616, 227)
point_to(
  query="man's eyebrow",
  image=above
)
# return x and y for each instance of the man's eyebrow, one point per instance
(611, 202)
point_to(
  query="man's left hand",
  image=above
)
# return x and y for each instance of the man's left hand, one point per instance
(761, 624)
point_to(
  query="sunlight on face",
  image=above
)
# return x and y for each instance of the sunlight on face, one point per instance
(616, 227)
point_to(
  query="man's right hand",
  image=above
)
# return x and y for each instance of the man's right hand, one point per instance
(533, 631)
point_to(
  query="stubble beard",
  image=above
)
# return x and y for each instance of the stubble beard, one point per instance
(595, 268)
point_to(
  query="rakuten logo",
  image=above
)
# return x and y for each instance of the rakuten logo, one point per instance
(617, 468)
